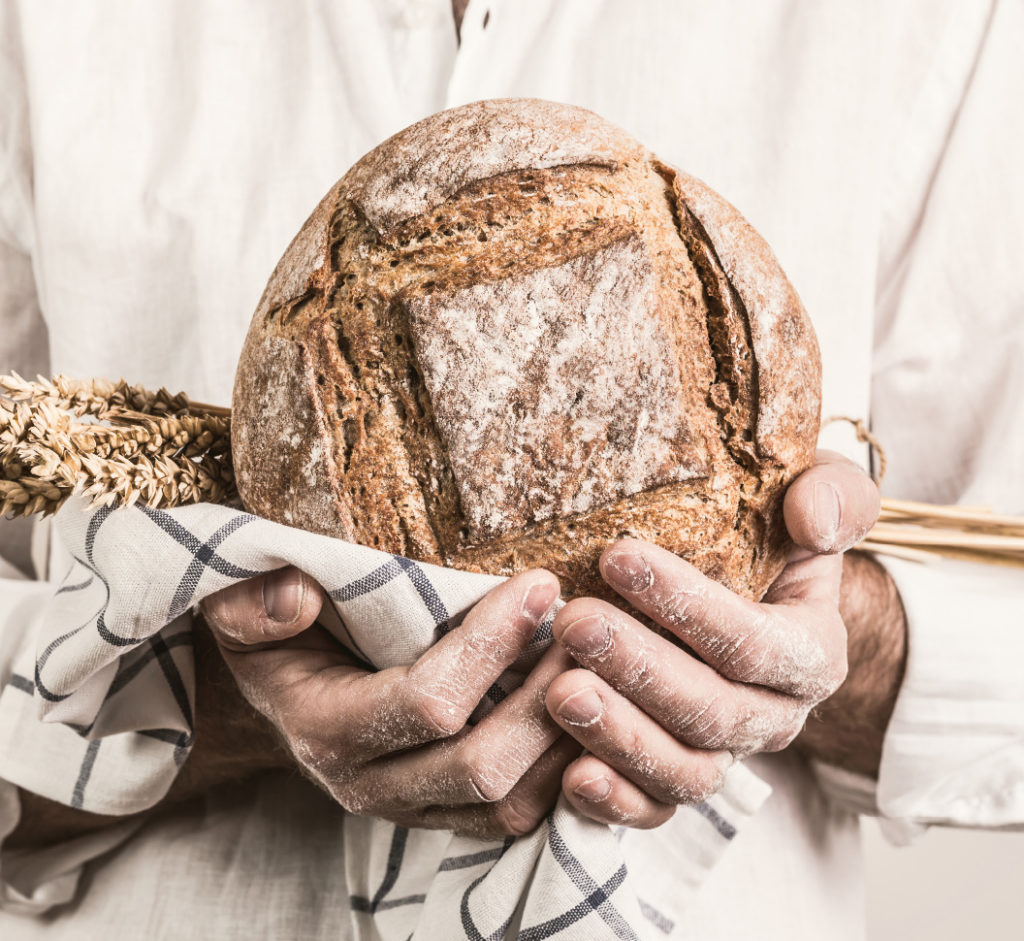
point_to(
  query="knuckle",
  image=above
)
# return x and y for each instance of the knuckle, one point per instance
(437, 714)
(638, 671)
(713, 725)
(354, 801)
(483, 776)
(746, 656)
(699, 783)
(680, 607)
(513, 817)
(745, 661)
(818, 675)
(782, 736)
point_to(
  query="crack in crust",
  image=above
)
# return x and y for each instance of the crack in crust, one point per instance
(733, 394)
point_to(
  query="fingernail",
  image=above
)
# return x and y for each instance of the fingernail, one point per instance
(582, 708)
(629, 570)
(537, 601)
(725, 760)
(283, 592)
(589, 636)
(826, 513)
(596, 789)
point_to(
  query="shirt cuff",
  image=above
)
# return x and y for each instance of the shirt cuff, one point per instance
(954, 750)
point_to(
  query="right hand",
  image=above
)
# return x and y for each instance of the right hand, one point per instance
(395, 743)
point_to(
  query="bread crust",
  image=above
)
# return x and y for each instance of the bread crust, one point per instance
(510, 335)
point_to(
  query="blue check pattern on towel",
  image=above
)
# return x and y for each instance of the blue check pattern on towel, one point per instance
(100, 716)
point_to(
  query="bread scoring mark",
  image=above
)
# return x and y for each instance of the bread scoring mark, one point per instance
(733, 394)
(555, 390)
(788, 389)
(409, 174)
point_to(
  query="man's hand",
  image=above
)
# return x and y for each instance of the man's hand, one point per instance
(663, 723)
(395, 743)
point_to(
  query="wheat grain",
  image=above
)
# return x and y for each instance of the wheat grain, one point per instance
(114, 443)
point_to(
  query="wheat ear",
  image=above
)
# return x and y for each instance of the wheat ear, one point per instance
(114, 443)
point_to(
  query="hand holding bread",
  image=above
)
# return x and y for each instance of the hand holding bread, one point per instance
(396, 743)
(663, 722)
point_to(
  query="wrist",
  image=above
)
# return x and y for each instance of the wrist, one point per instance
(847, 730)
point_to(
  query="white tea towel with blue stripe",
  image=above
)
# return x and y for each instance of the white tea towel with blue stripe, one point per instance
(99, 716)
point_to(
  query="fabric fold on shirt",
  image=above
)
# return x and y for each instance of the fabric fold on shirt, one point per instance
(104, 703)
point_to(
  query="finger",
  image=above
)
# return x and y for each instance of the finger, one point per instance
(263, 610)
(686, 697)
(343, 718)
(796, 647)
(517, 814)
(831, 506)
(483, 764)
(603, 795)
(445, 685)
(616, 731)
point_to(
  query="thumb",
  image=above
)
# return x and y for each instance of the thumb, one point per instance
(260, 611)
(830, 507)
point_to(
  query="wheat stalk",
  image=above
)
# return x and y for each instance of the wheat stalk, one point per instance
(114, 443)
(907, 529)
(118, 444)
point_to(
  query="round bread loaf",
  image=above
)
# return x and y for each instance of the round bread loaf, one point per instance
(509, 335)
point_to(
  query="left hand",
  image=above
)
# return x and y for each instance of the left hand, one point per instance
(661, 724)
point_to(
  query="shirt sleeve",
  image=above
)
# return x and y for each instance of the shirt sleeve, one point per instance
(31, 881)
(948, 406)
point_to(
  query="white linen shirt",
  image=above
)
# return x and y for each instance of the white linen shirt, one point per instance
(155, 160)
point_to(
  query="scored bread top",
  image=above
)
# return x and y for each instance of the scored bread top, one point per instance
(409, 174)
(509, 335)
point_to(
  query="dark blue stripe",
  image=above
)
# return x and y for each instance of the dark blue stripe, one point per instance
(128, 671)
(361, 586)
(359, 903)
(392, 868)
(472, 859)
(21, 682)
(68, 588)
(78, 795)
(183, 537)
(426, 590)
(656, 918)
(98, 519)
(469, 927)
(173, 677)
(596, 901)
(203, 555)
(725, 829)
(46, 693)
(174, 737)
(596, 897)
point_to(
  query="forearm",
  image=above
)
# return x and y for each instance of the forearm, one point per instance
(232, 743)
(847, 730)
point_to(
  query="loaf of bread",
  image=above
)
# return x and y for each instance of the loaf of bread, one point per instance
(509, 335)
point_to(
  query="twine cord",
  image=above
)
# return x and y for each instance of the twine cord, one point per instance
(865, 436)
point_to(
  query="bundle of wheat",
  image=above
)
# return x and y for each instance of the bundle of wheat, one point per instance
(111, 442)
(117, 444)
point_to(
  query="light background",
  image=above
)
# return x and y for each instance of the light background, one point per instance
(951, 885)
